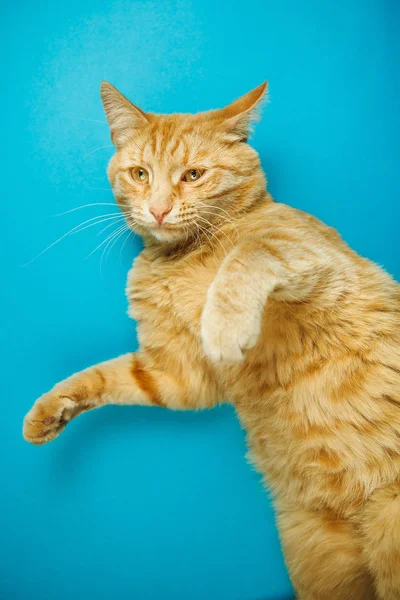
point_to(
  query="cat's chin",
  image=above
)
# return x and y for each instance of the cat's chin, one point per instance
(162, 234)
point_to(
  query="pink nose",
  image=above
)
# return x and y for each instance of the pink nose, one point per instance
(160, 213)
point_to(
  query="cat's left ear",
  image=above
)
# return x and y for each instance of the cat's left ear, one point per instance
(238, 117)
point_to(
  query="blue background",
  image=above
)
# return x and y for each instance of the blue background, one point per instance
(142, 503)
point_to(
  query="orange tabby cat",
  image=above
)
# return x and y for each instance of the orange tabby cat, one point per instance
(240, 299)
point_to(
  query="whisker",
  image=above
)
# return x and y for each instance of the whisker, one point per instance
(114, 220)
(84, 119)
(110, 244)
(208, 212)
(187, 233)
(97, 149)
(132, 222)
(110, 225)
(218, 240)
(123, 244)
(62, 237)
(103, 242)
(96, 220)
(197, 234)
(216, 207)
(115, 240)
(204, 231)
(217, 228)
(66, 212)
(200, 246)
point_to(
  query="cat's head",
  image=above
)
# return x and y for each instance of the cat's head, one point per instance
(175, 175)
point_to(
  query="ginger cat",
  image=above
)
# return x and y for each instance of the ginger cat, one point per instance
(240, 299)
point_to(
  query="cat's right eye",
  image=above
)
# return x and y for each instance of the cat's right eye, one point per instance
(140, 175)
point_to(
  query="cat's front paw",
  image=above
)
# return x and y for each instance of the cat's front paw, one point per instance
(47, 418)
(227, 333)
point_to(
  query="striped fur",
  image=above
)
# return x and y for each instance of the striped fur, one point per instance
(240, 299)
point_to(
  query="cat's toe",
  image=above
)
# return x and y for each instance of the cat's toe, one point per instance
(224, 352)
(220, 342)
(226, 336)
(47, 418)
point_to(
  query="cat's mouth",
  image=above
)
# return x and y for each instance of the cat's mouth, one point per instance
(165, 227)
(165, 231)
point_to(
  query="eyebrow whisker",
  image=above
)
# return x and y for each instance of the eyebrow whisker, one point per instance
(84, 119)
(97, 149)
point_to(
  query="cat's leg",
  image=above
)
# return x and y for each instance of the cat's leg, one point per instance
(323, 556)
(232, 315)
(381, 529)
(252, 272)
(130, 379)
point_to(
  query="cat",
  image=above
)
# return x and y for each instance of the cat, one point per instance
(241, 299)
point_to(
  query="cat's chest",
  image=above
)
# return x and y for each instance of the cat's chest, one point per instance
(167, 292)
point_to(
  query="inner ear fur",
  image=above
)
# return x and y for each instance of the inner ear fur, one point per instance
(123, 117)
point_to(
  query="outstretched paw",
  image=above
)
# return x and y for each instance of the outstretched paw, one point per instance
(47, 418)
(228, 334)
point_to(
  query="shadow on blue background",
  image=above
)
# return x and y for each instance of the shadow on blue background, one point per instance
(141, 503)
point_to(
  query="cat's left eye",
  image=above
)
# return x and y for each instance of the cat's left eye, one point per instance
(192, 175)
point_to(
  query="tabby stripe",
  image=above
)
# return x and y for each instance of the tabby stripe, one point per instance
(175, 146)
(391, 400)
(145, 381)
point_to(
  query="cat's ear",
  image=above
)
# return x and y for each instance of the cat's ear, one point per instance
(122, 116)
(238, 117)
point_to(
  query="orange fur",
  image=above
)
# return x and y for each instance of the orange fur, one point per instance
(240, 299)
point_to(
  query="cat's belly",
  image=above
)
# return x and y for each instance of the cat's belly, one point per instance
(328, 464)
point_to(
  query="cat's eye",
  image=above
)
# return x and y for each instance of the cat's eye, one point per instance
(139, 175)
(192, 175)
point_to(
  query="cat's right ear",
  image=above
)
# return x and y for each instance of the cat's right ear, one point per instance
(123, 117)
(239, 116)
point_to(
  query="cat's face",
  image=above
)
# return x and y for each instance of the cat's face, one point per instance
(176, 175)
